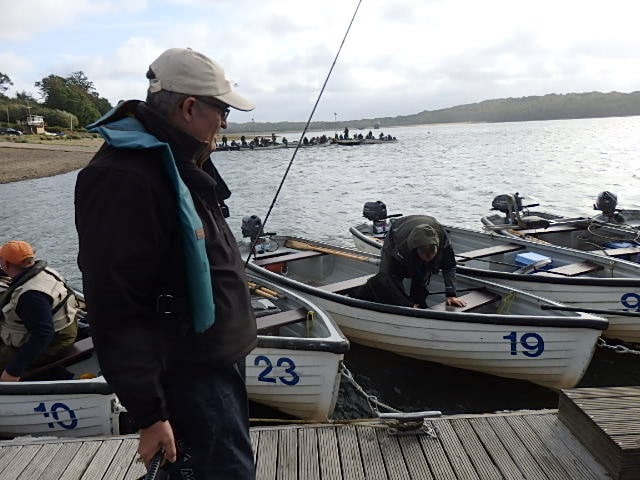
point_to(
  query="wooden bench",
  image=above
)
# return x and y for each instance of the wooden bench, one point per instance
(270, 323)
(617, 252)
(346, 284)
(487, 252)
(571, 270)
(79, 351)
(475, 299)
(261, 262)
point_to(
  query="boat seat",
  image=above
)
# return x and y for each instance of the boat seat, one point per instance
(572, 227)
(571, 270)
(79, 351)
(345, 285)
(487, 252)
(271, 323)
(287, 257)
(475, 299)
(617, 252)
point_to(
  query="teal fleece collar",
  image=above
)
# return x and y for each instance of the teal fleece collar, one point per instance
(122, 130)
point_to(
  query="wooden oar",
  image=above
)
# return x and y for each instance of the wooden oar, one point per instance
(299, 245)
(263, 288)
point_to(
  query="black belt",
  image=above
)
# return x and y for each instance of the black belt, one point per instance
(168, 305)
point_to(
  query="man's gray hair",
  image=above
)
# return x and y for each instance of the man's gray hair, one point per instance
(165, 102)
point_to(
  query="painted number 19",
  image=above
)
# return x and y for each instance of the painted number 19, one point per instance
(532, 343)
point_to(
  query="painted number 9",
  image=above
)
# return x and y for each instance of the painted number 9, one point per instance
(532, 343)
(631, 301)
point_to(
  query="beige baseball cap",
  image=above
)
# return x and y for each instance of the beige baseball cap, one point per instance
(183, 70)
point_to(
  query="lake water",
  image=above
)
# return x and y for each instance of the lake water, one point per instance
(449, 171)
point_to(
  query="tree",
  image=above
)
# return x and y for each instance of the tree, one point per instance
(5, 83)
(74, 94)
(26, 96)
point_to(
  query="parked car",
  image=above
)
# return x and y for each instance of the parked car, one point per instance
(9, 131)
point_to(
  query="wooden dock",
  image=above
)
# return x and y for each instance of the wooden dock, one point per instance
(594, 434)
(532, 445)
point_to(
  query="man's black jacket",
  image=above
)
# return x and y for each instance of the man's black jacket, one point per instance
(130, 255)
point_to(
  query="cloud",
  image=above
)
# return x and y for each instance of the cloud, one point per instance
(400, 57)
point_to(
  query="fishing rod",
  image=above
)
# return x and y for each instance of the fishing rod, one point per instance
(154, 466)
(304, 131)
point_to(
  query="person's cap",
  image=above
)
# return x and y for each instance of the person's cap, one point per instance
(183, 70)
(18, 252)
(422, 236)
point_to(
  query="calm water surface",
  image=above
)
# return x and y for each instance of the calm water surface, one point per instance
(449, 171)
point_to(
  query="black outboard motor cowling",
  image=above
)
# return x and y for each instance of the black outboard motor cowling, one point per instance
(251, 227)
(374, 211)
(377, 213)
(507, 203)
(607, 202)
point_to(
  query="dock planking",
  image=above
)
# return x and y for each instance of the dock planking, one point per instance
(485, 447)
(606, 421)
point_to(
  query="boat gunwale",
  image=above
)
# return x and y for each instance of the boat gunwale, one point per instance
(577, 321)
(558, 279)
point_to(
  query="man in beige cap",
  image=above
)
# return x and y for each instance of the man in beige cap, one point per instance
(38, 320)
(163, 279)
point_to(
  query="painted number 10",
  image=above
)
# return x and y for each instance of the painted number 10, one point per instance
(532, 343)
(55, 411)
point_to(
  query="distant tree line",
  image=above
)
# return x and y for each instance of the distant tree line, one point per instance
(74, 100)
(547, 107)
(66, 101)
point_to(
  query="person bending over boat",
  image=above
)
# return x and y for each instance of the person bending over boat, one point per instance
(415, 247)
(38, 321)
(163, 278)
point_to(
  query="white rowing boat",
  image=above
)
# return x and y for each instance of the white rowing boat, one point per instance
(294, 369)
(609, 287)
(595, 235)
(502, 331)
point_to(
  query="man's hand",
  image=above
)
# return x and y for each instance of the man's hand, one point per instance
(7, 377)
(156, 437)
(456, 302)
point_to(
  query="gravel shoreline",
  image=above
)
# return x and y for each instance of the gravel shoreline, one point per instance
(26, 161)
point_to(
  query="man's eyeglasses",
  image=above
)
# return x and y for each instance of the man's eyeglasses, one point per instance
(224, 109)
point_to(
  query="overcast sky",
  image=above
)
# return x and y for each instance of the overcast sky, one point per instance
(401, 56)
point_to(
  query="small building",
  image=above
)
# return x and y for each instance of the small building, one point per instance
(34, 124)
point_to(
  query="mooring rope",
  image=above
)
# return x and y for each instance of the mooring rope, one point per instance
(304, 131)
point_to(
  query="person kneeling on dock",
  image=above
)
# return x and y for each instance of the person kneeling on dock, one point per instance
(416, 246)
(39, 312)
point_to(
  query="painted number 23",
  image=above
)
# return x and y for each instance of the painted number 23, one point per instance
(532, 343)
(291, 377)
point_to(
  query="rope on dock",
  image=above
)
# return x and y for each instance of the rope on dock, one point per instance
(616, 348)
(372, 400)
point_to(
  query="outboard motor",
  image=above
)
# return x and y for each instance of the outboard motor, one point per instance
(516, 213)
(507, 203)
(377, 213)
(607, 202)
(251, 227)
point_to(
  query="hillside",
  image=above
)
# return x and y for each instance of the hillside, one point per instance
(547, 107)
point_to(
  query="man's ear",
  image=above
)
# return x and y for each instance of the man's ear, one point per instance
(186, 109)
